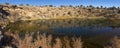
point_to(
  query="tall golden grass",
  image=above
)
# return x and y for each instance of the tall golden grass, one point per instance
(115, 43)
(44, 41)
(47, 41)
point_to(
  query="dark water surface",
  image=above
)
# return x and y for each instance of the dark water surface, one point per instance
(95, 33)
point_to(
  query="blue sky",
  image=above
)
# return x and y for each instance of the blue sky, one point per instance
(107, 3)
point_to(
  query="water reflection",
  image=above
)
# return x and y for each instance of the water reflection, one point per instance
(68, 25)
(92, 31)
(71, 27)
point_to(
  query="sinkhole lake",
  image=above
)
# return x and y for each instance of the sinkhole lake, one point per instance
(95, 33)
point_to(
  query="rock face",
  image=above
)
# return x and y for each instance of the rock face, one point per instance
(15, 13)
(3, 13)
(6, 39)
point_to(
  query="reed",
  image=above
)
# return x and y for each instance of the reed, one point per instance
(115, 43)
(44, 41)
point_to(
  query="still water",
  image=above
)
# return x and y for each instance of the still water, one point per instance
(95, 33)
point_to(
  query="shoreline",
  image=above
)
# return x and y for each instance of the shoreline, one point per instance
(66, 18)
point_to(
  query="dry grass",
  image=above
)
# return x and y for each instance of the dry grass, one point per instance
(77, 42)
(115, 43)
(43, 41)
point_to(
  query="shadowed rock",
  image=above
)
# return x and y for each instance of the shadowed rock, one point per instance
(6, 39)
(3, 13)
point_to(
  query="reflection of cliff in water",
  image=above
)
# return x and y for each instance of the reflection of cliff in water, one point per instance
(94, 32)
(50, 25)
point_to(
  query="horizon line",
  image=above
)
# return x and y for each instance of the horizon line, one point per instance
(59, 5)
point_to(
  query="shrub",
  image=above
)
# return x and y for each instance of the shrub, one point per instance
(115, 43)
(43, 41)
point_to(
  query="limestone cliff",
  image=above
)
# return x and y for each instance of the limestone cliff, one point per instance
(45, 12)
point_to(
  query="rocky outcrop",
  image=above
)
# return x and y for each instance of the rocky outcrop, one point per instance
(45, 12)
(3, 13)
(3, 16)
